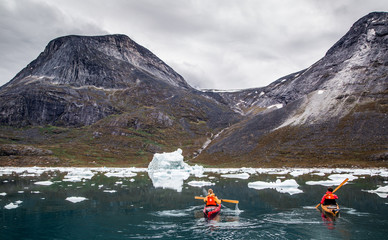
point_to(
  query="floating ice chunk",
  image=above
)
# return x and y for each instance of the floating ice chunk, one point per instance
(239, 175)
(121, 173)
(288, 186)
(44, 183)
(335, 179)
(78, 174)
(167, 170)
(3, 194)
(11, 206)
(164, 161)
(248, 170)
(172, 179)
(319, 174)
(110, 191)
(76, 199)
(200, 183)
(299, 172)
(381, 191)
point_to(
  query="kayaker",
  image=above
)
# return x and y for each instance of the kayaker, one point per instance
(211, 199)
(329, 198)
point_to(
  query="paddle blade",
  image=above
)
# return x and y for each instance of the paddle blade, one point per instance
(197, 197)
(341, 184)
(229, 201)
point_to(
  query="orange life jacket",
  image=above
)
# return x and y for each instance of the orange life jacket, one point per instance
(330, 196)
(211, 200)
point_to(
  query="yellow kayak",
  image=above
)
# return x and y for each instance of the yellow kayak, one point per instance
(332, 210)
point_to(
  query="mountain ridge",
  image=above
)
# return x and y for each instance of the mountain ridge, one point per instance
(107, 100)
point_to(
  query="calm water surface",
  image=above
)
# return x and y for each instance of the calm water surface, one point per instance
(132, 208)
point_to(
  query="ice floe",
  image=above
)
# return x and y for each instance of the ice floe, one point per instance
(3, 194)
(44, 183)
(237, 175)
(335, 179)
(76, 199)
(78, 174)
(380, 191)
(287, 186)
(200, 183)
(13, 205)
(121, 173)
(110, 191)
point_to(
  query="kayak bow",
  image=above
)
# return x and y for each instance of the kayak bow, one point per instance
(210, 212)
(332, 210)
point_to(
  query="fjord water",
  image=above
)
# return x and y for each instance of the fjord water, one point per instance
(132, 208)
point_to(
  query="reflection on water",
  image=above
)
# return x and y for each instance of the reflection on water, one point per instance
(128, 206)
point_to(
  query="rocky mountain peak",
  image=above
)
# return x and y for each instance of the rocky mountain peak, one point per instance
(112, 61)
(365, 29)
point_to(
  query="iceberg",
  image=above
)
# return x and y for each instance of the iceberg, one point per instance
(287, 186)
(168, 171)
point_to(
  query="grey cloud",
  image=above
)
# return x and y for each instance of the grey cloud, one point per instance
(27, 27)
(213, 44)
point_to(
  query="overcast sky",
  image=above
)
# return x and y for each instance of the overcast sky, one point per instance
(223, 44)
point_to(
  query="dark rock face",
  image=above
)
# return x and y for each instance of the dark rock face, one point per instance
(79, 80)
(338, 105)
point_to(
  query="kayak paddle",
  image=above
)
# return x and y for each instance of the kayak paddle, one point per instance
(336, 189)
(223, 200)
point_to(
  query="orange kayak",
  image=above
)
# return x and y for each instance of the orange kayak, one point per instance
(332, 210)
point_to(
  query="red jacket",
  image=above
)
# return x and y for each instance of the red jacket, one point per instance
(328, 195)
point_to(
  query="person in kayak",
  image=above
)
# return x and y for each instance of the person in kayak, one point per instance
(211, 199)
(329, 198)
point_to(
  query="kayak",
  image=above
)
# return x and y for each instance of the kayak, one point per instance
(211, 211)
(332, 210)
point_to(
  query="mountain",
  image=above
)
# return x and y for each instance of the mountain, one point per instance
(331, 113)
(106, 100)
(106, 93)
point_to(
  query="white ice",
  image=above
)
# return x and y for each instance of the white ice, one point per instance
(238, 175)
(121, 173)
(44, 183)
(381, 191)
(168, 171)
(76, 199)
(78, 174)
(200, 183)
(335, 179)
(287, 186)
(110, 191)
(3, 194)
(13, 205)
